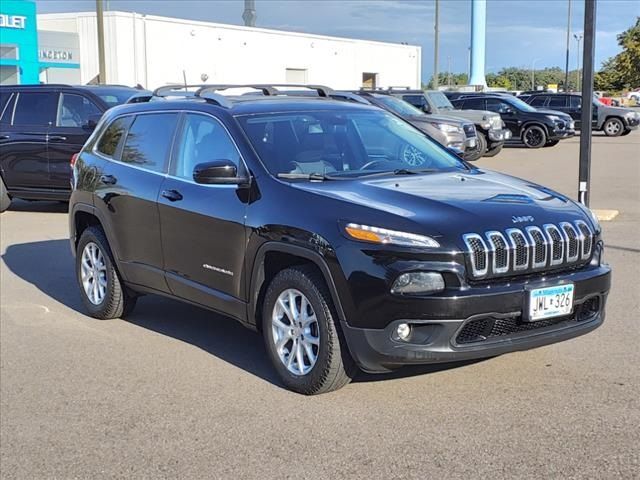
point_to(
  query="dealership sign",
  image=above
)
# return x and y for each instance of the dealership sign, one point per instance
(13, 21)
(63, 55)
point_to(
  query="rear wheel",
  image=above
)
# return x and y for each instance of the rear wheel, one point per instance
(480, 149)
(613, 127)
(5, 199)
(101, 290)
(302, 333)
(534, 136)
(552, 143)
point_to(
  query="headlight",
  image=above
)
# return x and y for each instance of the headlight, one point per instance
(486, 125)
(592, 216)
(445, 127)
(383, 236)
(554, 118)
(415, 283)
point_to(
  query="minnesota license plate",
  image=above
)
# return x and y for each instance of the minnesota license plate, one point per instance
(550, 302)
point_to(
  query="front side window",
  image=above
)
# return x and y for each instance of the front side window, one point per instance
(558, 101)
(36, 108)
(576, 102)
(342, 144)
(495, 105)
(149, 140)
(415, 100)
(538, 101)
(202, 139)
(75, 110)
(113, 137)
(398, 106)
(474, 104)
(440, 100)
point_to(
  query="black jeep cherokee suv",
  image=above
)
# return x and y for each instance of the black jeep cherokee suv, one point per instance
(41, 128)
(299, 217)
(534, 127)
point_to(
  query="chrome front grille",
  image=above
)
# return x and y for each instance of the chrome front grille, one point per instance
(517, 251)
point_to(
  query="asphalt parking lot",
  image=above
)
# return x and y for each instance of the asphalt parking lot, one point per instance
(176, 391)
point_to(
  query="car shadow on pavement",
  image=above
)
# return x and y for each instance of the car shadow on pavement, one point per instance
(49, 266)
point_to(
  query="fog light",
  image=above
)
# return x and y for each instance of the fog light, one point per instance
(418, 283)
(403, 331)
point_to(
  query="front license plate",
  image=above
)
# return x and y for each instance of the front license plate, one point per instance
(550, 302)
(471, 142)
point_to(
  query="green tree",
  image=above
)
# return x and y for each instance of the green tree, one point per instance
(623, 70)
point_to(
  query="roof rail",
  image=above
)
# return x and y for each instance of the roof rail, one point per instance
(349, 96)
(321, 90)
(264, 89)
(176, 90)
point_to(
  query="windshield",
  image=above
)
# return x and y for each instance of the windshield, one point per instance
(440, 100)
(398, 106)
(342, 144)
(519, 104)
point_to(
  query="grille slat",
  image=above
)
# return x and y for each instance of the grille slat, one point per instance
(516, 251)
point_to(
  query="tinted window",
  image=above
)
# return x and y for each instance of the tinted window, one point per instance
(415, 100)
(576, 102)
(36, 108)
(538, 101)
(558, 101)
(201, 140)
(495, 105)
(7, 100)
(398, 106)
(113, 136)
(75, 110)
(149, 140)
(474, 104)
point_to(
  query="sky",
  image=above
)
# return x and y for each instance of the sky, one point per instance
(520, 33)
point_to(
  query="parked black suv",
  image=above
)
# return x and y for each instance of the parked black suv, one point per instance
(300, 218)
(41, 127)
(535, 128)
(613, 121)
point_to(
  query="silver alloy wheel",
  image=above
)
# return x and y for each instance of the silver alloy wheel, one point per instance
(612, 127)
(93, 273)
(296, 334)
(412, 156)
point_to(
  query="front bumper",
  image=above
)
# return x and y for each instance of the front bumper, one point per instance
(632, 122)
(486, 325)
(560, 134)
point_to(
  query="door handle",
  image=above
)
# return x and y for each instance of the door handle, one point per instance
(108, 179)
(57, 138)
(172, 195)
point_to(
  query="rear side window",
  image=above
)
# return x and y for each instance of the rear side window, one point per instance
(538, 101)
(113, 137)
(36, 108)
(75, 110)
(474, 104)
(149, 141)
(558, 101)
(7, 100)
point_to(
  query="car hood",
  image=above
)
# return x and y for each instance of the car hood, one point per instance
(476, 116)
(553, 112)
(451, 201)
(616, 110)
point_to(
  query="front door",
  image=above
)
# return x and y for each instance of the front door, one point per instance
(67, 136)
(23, 138)
(203, 233)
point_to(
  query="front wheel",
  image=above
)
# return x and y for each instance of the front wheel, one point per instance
(5, 199)
(101, 290)
(613, 127)
(534, 136)
(302, 333)
(494, 151)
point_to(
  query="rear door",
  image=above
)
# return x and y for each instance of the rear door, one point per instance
(203, 233)
(136, 150)
(559, 103)
(538, 101)
(25, 126)
(68, 134)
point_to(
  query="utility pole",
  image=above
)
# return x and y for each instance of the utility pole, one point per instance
(566, 66)
(449, 71)
(584, 173)
(578, 37)
(436, 28)
(249, 14)
(102, 71)
(533, 74)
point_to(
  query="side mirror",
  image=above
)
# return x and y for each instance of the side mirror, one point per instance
(426, 108)
(218, 172)
(456, 151)
(92, 122)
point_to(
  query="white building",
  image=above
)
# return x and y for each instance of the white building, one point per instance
(153, 51)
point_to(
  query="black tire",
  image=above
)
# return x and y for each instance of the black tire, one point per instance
(613, 127)
(480, 149)
(334, 367)
(117, 302)
(5, 199)
(534, 136)
(494, 151)
(625, 133)
(552, 143)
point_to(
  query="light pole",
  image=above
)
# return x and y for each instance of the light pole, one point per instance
(578, 37)
(102, 71)
(436, 47)
(533, 74)
(566, 65)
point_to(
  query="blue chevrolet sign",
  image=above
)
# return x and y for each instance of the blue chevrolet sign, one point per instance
(19, 42)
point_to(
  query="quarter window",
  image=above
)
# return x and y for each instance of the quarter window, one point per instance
(149, 141)
(113, 137)
(36, 108)
(538, 101)
(202, 140)
(495, 105)
(558, 101)
(75, 110)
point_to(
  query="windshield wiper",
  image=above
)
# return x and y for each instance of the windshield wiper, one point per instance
(304, 176)
(399, 171)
